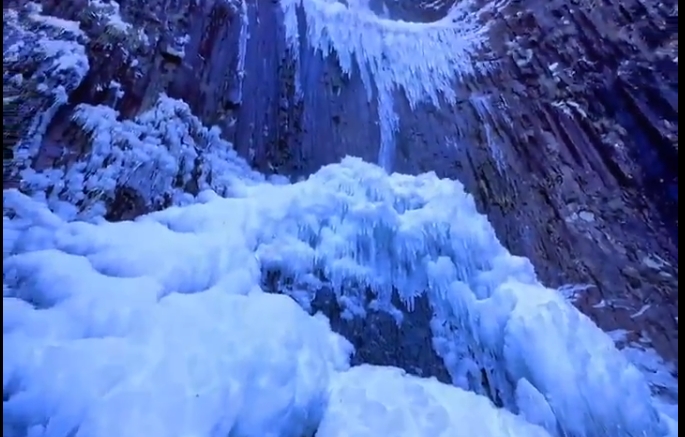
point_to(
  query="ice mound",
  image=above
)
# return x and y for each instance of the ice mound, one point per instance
(158, 327)
(92, 354)
(369, 401)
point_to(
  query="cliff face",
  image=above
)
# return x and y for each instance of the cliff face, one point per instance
(569, 145)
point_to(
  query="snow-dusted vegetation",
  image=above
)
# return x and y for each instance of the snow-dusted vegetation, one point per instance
(165, 155)
(44, 60)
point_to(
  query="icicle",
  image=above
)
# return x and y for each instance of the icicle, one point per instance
(242, 46)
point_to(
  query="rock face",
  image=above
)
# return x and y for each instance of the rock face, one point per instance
(570, 146)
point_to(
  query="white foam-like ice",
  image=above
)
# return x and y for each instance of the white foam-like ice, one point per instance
(369, 401)
(105, 319)
(91, 355)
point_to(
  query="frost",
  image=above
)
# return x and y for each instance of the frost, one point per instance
(484, 109)
(570, 108)
(60, 24)
(66, 54)
(104, 21)
(108, 13)
(242, 48)
(162, 154)
(118, 90)
(49, 57)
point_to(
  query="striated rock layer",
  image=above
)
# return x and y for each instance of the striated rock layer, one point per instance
(569, 145)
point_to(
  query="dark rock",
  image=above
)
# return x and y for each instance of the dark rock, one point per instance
(127, 204)
(378, 339)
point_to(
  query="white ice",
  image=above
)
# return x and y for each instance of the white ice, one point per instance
(158, 327)
(369, 401)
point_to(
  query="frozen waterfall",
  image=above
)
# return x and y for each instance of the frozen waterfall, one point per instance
(158, 326)
(161, 327)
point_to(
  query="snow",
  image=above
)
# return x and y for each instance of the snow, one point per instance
(422, 60)
(68, 55)
(51, 38)
(60, 24)
(109, 13)
(159, 326)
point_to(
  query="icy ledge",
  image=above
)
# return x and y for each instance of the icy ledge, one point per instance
(158, 326)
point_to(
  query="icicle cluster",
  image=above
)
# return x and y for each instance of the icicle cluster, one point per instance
(422, 60)
(500, 332)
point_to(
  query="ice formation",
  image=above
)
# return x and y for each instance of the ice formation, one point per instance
(159, 327)
(441, 52)
(369, 401)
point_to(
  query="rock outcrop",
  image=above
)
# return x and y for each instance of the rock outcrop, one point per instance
(570, 145)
